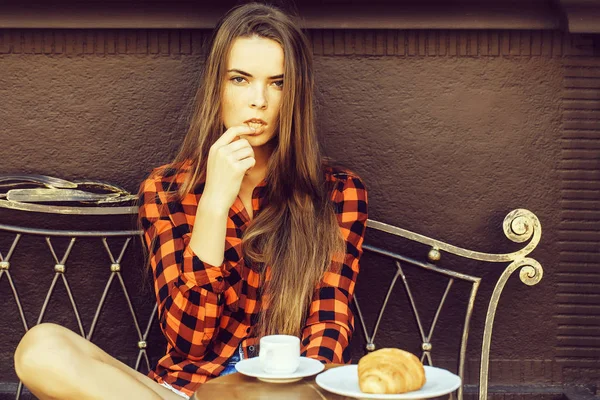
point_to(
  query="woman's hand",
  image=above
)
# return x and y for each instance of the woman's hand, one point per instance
(228, 161)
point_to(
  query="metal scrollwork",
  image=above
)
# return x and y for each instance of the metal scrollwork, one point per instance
(531, 273)
(40, 193)
(519, 226)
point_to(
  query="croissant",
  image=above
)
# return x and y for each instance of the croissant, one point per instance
(390, 371)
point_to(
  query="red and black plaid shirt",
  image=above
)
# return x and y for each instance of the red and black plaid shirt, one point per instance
(206, 311)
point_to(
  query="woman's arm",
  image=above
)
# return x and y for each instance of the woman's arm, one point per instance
(208, 237)
(188, 287)
(188, 290)
(229, 159)
(330, 322)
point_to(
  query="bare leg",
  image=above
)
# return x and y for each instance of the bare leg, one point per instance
(56, 363)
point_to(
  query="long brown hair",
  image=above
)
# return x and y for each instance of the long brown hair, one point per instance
(296, 234)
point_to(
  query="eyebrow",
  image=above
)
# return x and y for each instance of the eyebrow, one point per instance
(239, 71)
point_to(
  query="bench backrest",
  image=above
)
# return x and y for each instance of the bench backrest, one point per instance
(410, 295)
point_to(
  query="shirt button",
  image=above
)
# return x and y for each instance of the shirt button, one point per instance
(220, 278)
(251, 348)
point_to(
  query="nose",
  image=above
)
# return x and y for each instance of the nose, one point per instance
(258, 98)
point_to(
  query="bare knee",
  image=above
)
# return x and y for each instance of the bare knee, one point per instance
(42, 350)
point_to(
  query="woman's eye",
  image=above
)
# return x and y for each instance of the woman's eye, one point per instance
(279, 84)
(238, 79)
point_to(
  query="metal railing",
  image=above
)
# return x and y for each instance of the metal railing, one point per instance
(519, 226)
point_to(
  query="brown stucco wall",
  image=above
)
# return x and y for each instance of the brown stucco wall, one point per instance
(450, 130)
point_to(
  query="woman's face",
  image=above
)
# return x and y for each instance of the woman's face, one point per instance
(253, 87)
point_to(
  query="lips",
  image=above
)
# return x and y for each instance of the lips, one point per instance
(256, 123)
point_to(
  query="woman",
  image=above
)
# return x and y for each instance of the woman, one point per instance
(249, 168)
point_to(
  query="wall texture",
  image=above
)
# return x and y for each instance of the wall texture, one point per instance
(450, 130)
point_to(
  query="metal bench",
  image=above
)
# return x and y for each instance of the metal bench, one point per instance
(413, 290)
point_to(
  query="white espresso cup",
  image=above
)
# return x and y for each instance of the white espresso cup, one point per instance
(279, 354)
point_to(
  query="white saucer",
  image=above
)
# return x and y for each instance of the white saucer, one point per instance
(251, 367)
(344, 381)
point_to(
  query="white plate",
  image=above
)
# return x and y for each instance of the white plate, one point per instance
(344, 381)
(251, 367)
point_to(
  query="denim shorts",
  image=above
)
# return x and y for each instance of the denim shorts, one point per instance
(234, 359)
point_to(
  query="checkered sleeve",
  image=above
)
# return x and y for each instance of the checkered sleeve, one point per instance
(187, 290)
(330, 322)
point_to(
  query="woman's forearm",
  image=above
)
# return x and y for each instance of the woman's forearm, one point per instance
(208, 234)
